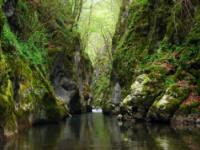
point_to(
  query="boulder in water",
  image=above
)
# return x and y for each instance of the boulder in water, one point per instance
(144, 91)
(116, 98)
(166, 105)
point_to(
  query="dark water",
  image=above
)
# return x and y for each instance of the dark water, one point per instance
(98, 132)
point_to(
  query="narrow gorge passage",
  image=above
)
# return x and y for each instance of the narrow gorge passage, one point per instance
(99, 74)
(97, 26)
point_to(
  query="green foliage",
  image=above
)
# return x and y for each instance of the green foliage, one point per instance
(187, 109)
(26, 39)
(2, 19)
(170, 81)
(97, 26)
(157, 33)
(100, 89)
(141, 2)
(40, 24)
(30, 40)
(28, 21)
(33, 49)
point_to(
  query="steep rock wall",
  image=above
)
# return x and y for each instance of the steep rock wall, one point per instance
(160, 40)
(37, 46)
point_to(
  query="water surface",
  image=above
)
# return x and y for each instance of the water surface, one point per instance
(98, 132)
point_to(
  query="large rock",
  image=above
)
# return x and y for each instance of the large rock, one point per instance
(68, 91)
(8, 118)
(71, 79)
(166, 105)
(9, 7)
(143, 93)
(65, 86)
(26, 97)
(116, 97)
(189, 111)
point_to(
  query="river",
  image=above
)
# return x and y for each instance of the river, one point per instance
(98, 132)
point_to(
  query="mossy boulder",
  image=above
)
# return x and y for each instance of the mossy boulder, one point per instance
(71, 79)
(159, 37)
(189, 111)
(35, 99)
(167, 104)
(8, 118)
(143, 93)
(26, 97)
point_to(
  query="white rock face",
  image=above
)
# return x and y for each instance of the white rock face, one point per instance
(164, 101)
(144, 92)
(116, 98)
(137, 88)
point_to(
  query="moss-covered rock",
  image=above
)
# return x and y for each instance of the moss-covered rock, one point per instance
(189, 111)
(158, 37)
(166, 105)
(29, 31)
(143, 93)
(25, 98)
(8, 118)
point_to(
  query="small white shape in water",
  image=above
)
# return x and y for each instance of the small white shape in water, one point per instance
(97, 110)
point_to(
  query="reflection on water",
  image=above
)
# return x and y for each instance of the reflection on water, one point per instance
(98, 132)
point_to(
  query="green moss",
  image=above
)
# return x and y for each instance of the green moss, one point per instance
(146, 29)
(193, 37)
(155, 30)
(33, 49)
(143, 93)
(55, 110)
(25, 89)
(2, 19)
(166, 105)
(6, 99)
(162, 40)
(187, 109)
(10, 126)
(8, 120)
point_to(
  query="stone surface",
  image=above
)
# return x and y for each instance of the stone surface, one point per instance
(143, 94)
(164, 108)
(116, 96)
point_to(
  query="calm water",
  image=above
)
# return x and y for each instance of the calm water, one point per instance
(98, 132)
